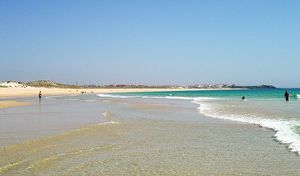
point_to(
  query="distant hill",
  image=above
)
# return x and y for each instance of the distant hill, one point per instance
(47, 83)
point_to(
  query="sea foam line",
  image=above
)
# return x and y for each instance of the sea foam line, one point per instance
(158, 97)
(283, 129)
(112, 96)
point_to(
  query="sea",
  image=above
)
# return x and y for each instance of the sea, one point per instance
(264, 107)
(207, 132)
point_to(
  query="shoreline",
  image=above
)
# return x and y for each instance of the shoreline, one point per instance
(33, 91)
(193, 151)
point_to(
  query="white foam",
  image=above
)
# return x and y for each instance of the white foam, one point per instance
(110, 122)
(105, 114)
(92, 100)
(283, 128)
(71, 99)
(58, 96)
(158, 97)
(112, 96)
(179, 98)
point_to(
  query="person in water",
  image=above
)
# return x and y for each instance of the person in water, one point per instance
(243, 98)
(286, 96)
(40, 94)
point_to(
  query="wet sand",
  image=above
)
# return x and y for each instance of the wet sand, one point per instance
(33, 91)
(152, 137)
(11, 103)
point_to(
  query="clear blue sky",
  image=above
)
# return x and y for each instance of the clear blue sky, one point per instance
(247, 42)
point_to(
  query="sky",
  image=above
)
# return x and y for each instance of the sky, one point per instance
(244, 42)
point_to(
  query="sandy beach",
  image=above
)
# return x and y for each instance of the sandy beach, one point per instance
(90, 135)
(33, 91)
(146, 88)
(15, 92)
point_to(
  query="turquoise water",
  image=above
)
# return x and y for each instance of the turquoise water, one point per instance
(263, 107)
(251, 93)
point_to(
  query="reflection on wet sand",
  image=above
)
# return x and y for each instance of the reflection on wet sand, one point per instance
(145, 147)
(11, 103)
(148, 106)
(138, 138)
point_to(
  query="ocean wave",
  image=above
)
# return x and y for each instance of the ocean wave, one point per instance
(160, 97)
(123, 96)
(179, 98)
(72, 99)
(61, 96)
(91, 100)
(284, 129)
(112, 96)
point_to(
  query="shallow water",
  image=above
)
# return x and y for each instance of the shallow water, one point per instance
(264, 107)
(111, 136)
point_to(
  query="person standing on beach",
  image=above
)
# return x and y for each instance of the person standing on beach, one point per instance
(40, 94)
(286, 96)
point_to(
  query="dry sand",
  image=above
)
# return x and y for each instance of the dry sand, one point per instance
(14, 92)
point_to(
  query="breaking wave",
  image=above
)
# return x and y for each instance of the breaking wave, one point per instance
(284, 129)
